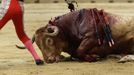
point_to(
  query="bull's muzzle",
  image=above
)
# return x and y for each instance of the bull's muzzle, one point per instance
(51, 60)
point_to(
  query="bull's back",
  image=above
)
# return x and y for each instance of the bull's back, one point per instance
(123, 28)
(123, 35)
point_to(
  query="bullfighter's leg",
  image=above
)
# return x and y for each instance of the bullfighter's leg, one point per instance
(3, 21)
(18, 22)
(15, 12)
(4, 15)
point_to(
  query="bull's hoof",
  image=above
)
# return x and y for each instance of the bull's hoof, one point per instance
(39, 62)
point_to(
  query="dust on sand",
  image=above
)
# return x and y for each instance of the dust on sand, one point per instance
(19, 62)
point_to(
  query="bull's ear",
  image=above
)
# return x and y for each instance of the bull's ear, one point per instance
(49, 41)
(52, 31)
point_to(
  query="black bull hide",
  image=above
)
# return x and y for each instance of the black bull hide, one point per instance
(76, 36)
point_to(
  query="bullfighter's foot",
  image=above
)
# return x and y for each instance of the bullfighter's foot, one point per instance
(39, 62)
(126, 58)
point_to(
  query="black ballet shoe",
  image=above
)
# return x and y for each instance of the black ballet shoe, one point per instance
(39, 62)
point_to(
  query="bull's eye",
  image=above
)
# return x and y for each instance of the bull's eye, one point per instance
(49, 41)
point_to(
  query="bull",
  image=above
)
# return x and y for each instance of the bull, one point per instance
(75, 33)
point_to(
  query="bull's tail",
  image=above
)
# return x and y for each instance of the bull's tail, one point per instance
(23, 47)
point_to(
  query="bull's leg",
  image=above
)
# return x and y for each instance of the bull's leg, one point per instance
(85, 45)
(63, 58)
(126, 58)
(114, 56)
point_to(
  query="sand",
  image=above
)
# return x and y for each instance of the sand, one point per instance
(14, 61)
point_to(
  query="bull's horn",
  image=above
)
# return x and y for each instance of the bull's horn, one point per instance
(20, 47)
(23, 47)
(52, 31)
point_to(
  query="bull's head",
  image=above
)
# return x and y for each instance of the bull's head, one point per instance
(53, 44)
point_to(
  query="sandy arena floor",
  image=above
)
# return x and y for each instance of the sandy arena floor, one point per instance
(14, 61)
